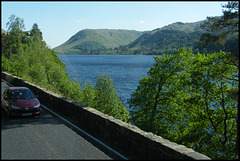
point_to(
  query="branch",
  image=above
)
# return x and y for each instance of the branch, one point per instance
(226, 116)
(207, 108)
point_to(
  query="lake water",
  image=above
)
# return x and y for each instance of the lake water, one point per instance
(124, 70)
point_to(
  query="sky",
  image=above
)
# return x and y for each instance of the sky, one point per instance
(60, 20)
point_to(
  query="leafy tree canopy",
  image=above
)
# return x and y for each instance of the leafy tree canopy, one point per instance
(219, 28)
(26, 55)
(186, 99)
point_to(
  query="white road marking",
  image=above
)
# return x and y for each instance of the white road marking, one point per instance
(106, 146)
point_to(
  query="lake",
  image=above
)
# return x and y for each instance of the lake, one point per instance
(124, 70)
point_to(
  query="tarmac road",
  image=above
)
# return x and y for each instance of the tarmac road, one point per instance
(46, 137)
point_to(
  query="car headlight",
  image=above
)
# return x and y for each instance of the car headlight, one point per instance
(15, 107)
(36, 106)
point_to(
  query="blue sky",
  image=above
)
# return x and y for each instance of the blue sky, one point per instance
(58, 21)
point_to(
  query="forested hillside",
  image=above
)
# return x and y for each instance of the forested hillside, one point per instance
(105, 41)
(165, 40)
(187, 27)
(170, 38)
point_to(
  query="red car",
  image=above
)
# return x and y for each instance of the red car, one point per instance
(20, 101)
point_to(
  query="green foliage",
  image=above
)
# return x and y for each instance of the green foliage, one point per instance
(185, 98)
(35, 32)
(26, 55)
(88, 94)
(220, 28)
(152, 97)
(106, 98)
(15, 23)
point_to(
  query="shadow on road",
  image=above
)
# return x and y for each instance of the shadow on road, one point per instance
(19, 121)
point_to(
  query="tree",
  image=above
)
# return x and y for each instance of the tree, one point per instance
(15, 29)
(15, 23)
(219, 28)
(152, 99)
(4, 45)
(26, 55)
(106, 99)
(211, 81)
(35, 32)
(185, 98)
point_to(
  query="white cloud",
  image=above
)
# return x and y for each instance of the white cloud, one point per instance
(141, 22)
(78, 21)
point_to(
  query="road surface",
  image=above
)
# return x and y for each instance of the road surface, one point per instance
(46, 137)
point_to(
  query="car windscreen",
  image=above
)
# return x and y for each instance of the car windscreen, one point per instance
(21, 94)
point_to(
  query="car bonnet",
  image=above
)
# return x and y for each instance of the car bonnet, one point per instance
(23, 102)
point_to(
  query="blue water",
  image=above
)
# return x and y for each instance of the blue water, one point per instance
(124, 70)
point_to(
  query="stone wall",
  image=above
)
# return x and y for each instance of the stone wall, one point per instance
(130, 139)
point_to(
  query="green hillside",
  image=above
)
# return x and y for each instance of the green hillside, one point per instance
(167, 39)
(92, 40)
(170, 38)
(106, 41)
(187, 27)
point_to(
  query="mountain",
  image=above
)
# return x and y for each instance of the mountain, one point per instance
(167, 39)
(164, 40)
(94, 40)
(186, 27)
(170, 38)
